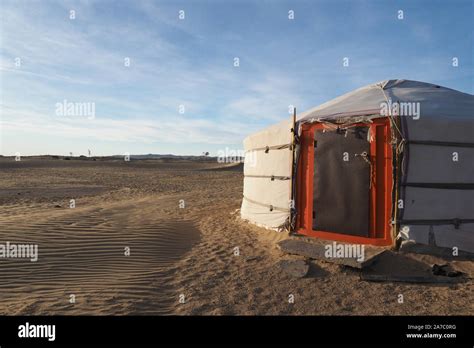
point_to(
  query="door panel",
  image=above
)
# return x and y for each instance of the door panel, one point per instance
(341, 181)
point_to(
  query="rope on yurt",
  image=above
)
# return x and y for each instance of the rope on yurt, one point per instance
(439, 143)
(268, 148)
(448, 186)
(347, 125)
(390, 116)
(269, 206)
(292, 172)
(455, 222)
(272, 177)
(399, 142)
(399, 165)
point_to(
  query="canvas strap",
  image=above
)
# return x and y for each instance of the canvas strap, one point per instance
(268, 148)
(272, 177)
(269, 206)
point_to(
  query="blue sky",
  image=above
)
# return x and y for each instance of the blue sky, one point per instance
(190, 62)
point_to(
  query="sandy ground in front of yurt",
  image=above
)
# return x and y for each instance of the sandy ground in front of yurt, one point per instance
(160, 237)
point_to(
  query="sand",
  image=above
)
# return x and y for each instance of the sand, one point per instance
(199, 258)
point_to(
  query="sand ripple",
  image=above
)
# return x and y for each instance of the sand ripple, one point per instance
(83, 253)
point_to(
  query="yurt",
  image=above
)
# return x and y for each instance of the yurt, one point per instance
(387, 162)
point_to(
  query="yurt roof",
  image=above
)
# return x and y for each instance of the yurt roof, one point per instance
(435, 101)
(440, 107)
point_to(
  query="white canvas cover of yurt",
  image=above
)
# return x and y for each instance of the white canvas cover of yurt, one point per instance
(389, 161)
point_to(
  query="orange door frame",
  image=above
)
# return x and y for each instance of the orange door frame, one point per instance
(380, 232)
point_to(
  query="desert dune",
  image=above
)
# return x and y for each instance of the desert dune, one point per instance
(163, 236)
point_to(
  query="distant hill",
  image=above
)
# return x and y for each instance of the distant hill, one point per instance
(150, 156)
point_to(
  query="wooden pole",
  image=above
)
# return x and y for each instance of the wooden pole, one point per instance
(292, 167)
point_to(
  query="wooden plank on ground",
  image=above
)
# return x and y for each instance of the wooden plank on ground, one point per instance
(410, 278)
(445, 253)
(318, 250)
